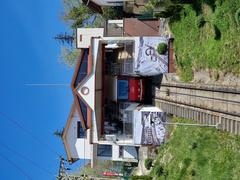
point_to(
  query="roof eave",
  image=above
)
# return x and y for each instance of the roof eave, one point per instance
(93, 6)
(64, 136)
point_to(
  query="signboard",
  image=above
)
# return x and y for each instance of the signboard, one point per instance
(149, 128)
(148, 61)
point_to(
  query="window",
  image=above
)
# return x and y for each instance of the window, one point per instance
(82, 72)
(104, 150)
(80, 130)
(83, 107)
(121, 148)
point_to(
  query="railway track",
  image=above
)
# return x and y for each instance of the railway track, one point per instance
(202, 103)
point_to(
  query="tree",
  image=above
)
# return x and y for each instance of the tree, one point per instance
(58, 133)
(76, 15)
(69, 4)
(65, 38)
(69, 55)
(112, 12)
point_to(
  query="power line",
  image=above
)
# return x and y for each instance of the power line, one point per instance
(29, 133)
(25, 158)
(46, 84)
(17, 167)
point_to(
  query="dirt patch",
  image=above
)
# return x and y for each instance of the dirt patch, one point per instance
(217, 78)
(207, 77)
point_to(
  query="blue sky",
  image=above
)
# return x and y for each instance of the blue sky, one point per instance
(29, 54)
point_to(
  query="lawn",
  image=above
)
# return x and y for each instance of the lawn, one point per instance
(198, 153)
(207, 37)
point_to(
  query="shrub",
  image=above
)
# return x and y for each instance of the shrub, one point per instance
(113, 12)
(194, 145)
(193, 172)
(159, 171)
(162, 48)
(148, 163)
(217, 33)
(200, 21)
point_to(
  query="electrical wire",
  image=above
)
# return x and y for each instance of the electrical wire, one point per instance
(25, 158)
(23, 172)
(29, 133)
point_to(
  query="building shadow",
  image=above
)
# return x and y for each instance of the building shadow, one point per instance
(152, 82)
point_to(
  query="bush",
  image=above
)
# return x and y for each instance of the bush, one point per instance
(140, 178)
(113, 12)
(159, 171)
(148, 163)
(162, 48)
(200, 21)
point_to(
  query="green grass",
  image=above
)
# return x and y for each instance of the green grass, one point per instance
(198, 153)
(207, 37)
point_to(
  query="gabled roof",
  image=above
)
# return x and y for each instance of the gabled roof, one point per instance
(82, 71)
(93, 6)
(81, 74)
(64, 136)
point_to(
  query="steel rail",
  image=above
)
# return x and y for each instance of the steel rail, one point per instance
(216, 99)
(200, 107)
(219, 89)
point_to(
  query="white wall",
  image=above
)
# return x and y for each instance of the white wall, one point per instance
(83, 147)
(115, 152)
(79, 147)
(90, 84)
(84, 36)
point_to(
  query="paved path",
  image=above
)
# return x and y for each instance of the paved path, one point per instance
(143, 154)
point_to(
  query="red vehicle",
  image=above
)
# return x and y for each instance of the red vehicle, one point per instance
(131, 89)
(136, 89)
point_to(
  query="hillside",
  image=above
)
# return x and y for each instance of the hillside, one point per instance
(198, 153)
(207, 38)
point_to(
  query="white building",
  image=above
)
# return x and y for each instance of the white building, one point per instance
(102, 125)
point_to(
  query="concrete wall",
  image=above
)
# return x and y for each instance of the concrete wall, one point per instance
(83, 147)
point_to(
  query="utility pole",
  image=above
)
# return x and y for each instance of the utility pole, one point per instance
(63, 175)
